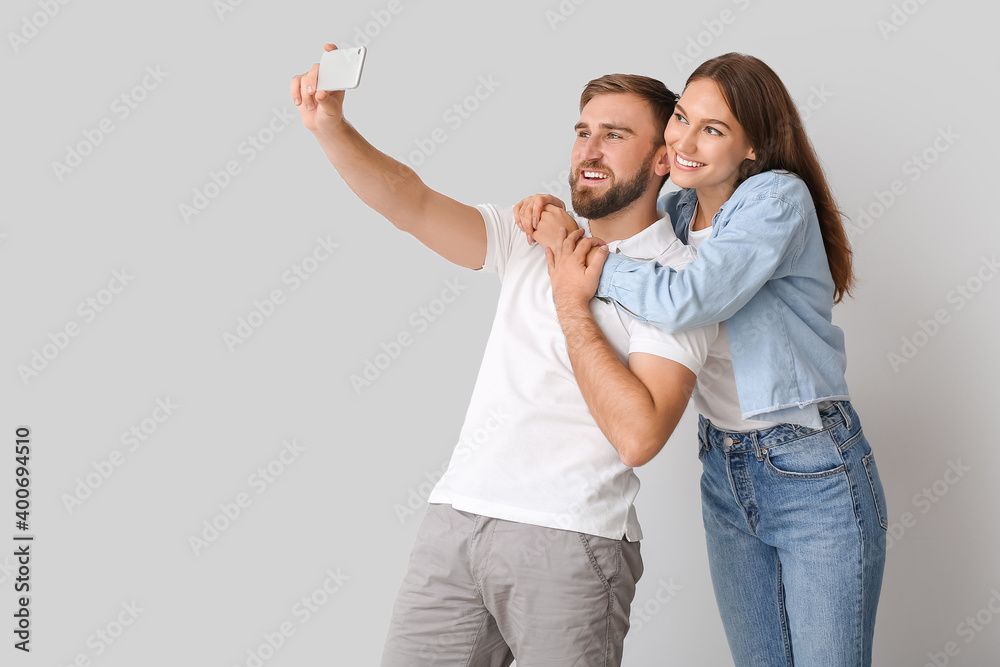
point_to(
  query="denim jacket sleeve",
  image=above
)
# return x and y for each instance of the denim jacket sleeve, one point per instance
(759, 233)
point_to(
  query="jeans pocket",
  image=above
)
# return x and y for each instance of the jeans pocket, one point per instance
(812, 457)
(876, 486)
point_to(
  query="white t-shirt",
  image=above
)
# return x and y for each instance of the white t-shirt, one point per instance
(714, 393)
(530, 451)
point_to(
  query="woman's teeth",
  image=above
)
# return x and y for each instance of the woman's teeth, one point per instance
(689, 163)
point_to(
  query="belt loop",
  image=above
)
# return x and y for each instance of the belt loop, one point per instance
(757, 451)
(843, 411)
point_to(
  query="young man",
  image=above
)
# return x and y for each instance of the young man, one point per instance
(530, 546)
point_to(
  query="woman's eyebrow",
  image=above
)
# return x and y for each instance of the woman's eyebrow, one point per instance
(709, 121)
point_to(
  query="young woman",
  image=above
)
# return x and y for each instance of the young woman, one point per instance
(793, 507)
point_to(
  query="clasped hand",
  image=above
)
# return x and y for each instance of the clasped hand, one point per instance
(575, 263)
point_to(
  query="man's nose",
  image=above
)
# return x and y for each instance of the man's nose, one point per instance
(592, 149)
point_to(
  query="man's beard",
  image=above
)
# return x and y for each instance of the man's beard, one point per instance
(619, 195)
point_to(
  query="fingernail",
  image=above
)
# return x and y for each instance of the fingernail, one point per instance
(309, 89)
(309, 107)
(297, 101)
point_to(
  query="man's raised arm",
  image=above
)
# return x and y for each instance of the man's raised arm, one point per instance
(451, 229)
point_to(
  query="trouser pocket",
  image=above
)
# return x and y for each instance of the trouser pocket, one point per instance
(875, 484)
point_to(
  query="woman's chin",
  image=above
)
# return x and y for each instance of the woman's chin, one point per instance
(683, 179)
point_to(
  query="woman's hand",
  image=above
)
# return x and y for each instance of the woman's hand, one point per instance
(551, 220)
(575, 264)
(528, 212)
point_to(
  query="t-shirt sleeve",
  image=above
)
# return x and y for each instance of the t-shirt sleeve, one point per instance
(500, 234)
(688, 348)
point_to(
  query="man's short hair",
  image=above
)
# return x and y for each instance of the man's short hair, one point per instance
(660, 98)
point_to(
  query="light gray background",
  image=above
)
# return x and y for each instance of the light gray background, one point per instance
(885, 97)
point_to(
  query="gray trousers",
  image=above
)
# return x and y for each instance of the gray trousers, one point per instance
(480, 592)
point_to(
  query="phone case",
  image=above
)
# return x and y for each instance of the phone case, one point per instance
(340, 69)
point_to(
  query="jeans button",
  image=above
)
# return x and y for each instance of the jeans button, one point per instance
(763, 452)
(727, 441)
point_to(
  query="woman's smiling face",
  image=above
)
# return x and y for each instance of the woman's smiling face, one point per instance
(705, 143)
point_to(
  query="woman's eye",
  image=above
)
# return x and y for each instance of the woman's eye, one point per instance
(680, 118)
(712, 130)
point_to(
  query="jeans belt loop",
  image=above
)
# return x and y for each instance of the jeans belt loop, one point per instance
(843, 411)
(758, 451)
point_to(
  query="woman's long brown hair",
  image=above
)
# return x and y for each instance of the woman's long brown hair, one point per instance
(761, 104)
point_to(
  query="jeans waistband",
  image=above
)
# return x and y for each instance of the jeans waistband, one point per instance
(839, 416)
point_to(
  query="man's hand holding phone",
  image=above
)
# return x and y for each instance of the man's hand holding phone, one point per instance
(321, 110)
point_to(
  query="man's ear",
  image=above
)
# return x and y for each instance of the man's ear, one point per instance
(661, 163)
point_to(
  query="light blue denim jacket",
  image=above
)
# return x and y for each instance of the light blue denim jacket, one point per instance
(764, 272)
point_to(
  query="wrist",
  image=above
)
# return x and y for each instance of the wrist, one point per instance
(573, 310)
(328, 126)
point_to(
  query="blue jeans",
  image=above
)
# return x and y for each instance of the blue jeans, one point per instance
(795, 521)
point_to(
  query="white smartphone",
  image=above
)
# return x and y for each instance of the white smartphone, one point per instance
(340, 69)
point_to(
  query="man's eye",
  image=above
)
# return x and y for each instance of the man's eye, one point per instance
(614, 136)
